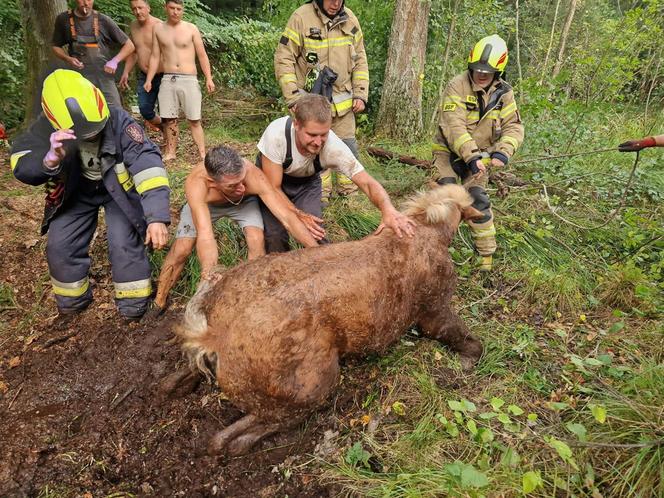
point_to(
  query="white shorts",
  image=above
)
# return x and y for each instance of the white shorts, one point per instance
(180, 91)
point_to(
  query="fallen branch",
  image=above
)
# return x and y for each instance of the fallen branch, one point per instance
(14, 398)
(116, 402)
(386, 154)
(591, 444)
(58, 340)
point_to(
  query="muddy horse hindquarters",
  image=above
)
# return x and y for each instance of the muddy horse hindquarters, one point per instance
(276, 327)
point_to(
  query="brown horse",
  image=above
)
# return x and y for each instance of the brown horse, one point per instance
(275, 328)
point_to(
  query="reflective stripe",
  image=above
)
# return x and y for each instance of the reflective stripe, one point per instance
(474, 115)
(361, 75)
(510, 140)
(461, 140)
(292, 35)
(123, 177)
(328, 42)
(358, 36)
(151, 178)
(342, 101)
(288, 78)
(508, 111)
(438, 148)
(342, 106)
(483, 233)
(137, 288)
(70, 289)
(13, 160)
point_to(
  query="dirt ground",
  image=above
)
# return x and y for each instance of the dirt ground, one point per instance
(81, 410)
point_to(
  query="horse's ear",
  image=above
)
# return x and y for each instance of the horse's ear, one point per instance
(470, 213)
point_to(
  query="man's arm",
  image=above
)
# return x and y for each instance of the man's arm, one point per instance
(637, 145)
(127, 49)
(512, 131)
(391, 218)
(155, 57)
(288, 49)
(129, 66)
(72, 61)
(279, 205)
(274, 173)
(360, 74)
(206, 245)
(453, 124)
(203, 59)
(60, 39)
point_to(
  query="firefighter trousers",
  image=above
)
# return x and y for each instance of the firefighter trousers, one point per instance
(67, 252)
(482, 230)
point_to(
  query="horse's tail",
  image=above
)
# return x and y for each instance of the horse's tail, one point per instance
(194, 332)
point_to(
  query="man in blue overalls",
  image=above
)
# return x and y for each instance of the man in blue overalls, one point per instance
(90, 156)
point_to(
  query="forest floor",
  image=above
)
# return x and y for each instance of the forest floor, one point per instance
(566, 400)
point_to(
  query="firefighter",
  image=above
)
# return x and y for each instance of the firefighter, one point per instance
(323, 36)
(91, 156)
(479, 128)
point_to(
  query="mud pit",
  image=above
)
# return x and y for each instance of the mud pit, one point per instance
(79, 401)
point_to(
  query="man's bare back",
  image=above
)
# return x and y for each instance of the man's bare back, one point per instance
(141, 35)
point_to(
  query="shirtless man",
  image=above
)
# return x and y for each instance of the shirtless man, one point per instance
(227, 185)
(177, 43)
(141, 31)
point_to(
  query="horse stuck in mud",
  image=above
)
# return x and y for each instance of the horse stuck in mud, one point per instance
(272, 330)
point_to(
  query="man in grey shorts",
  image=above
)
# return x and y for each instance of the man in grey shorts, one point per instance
(227, 185)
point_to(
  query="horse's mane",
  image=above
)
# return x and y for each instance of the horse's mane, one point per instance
(437, 205)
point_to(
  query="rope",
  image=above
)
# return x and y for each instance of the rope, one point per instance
(611, 216)
(548, 158)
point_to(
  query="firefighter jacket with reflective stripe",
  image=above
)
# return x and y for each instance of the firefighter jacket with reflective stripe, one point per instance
(312, 41)
(132, 170)
(474, 121)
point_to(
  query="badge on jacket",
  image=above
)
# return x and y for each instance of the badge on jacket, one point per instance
(135, 133)
(315, 34)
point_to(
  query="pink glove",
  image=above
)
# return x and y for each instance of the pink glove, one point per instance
(57, 152)
(112, 65)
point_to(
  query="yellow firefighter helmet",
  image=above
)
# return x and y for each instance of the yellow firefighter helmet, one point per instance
(71, 101)
(489, 55)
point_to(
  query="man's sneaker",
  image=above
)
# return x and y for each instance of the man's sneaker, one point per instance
(486, 263)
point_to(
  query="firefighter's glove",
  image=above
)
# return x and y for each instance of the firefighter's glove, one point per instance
(57, 151)
(476, 165)
(637, 145)
(498, 159)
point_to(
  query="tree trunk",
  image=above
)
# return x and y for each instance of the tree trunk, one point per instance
(518, 51)
(400, 112)
(443, 73)
(545, 66)
(38, 18)
(563, 37)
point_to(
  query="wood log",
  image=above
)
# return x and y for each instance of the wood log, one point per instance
(386, 154)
